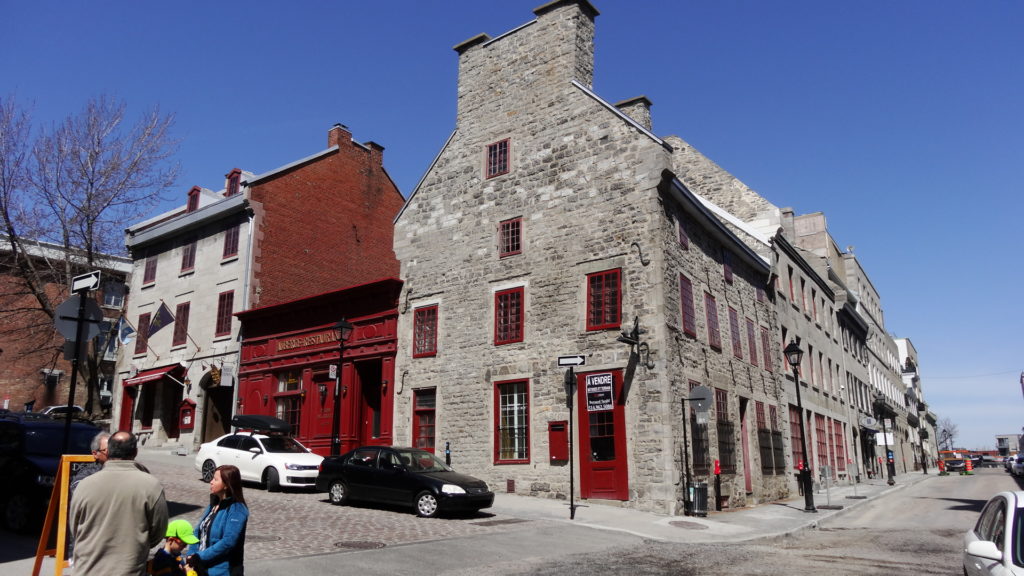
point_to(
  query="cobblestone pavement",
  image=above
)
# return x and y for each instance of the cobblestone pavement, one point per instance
(303, 523)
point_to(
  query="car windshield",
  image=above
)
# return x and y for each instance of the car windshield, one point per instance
(421, 461)
(47, 441)
(282, 444)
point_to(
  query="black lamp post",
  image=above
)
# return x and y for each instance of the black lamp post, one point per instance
(344, 330)
(794, 355)
(883, 411)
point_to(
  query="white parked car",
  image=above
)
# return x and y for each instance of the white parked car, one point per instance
(274, 460)
(993, 546)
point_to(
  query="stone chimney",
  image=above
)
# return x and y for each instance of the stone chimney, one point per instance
(541, 57)
(638, 109)
(338, 134)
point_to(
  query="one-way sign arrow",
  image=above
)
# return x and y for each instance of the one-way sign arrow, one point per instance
(574, 360)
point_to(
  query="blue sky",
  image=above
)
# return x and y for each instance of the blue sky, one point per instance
(902, 121)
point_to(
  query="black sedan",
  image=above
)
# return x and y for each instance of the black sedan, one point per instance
(403, 476)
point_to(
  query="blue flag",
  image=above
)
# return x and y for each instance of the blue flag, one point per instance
(163, 318)
(125, 332)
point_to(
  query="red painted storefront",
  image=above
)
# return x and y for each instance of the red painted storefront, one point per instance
(288, 351)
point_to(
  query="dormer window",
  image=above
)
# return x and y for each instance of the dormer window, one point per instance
(193, 199)
(234, 182)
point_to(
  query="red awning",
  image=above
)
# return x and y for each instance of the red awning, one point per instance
(153, 375)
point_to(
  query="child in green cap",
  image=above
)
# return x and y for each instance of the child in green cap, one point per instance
(168, 560)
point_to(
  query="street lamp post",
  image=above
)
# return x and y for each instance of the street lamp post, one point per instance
(882, 410)
(344, 330)
(794, 355)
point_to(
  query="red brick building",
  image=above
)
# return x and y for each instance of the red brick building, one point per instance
(309, 227)
(33, 370)
(322, 252)
(324, 222)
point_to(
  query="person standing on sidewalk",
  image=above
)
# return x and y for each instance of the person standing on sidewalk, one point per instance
(117, 514)
(98, 447)
(221, 532)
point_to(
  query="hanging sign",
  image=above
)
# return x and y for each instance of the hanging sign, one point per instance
(600, 389)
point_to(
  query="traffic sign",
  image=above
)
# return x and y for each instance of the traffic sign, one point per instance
(572, 360)
(85, 282)
(66, 318)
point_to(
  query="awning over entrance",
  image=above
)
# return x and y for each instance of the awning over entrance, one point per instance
(173, 371)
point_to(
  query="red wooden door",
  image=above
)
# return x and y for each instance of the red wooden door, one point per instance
(604, 472)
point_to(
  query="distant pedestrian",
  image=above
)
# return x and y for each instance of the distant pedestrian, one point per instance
(117, 514)
(221, 531)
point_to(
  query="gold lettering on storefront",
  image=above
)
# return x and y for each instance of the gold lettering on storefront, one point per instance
(303, 341)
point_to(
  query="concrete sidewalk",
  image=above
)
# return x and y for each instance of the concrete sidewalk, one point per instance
(769, 520)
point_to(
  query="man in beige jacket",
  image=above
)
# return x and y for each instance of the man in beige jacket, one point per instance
(118, 514)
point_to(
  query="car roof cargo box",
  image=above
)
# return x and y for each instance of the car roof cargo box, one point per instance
(260, 423)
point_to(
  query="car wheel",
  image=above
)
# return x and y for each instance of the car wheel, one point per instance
(272, 480)
(337, 492)
(18, 513)
(426, 505)
(208, 469)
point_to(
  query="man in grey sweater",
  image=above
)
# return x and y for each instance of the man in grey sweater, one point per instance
(117, 514)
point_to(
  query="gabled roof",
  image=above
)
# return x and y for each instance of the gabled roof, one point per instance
(697, 211)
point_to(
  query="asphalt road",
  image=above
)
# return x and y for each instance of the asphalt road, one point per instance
(916, 529)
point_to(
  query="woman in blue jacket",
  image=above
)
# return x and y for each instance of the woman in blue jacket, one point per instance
(221, 532)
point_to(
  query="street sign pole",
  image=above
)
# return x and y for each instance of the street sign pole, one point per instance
(570, 386)
(79, 329)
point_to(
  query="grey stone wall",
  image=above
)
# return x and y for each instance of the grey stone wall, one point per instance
(585, 183)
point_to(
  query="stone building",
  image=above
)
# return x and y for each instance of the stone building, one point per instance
(309, 227)
(551, 224)
(177, 379)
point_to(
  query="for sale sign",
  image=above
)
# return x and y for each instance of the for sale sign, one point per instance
(600, 388)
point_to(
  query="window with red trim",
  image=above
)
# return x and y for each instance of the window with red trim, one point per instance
(142, 336)
(508, 316)
(424, 414)
(604, 300)
(840, 445)
(821, 440)
(792, 294)
(181, 324)
(234, 182)
(497, 158)
(225, 306)
(751, 342)
(193, 199)
(734, 333)
(766, 348)
(726, 432)
(711, 312)
(188, 255)
(231, 241)
(511, 422)
(424, 327)
(149, 275)
(727, 267)
(686, 303)
(510, 237)
(795, 437)
(684, 236)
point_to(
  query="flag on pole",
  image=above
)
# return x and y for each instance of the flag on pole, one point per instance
(163, 318)
(125, 332)
(1022, 383)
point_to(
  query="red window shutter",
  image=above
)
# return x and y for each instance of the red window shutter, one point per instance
(604, 300)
